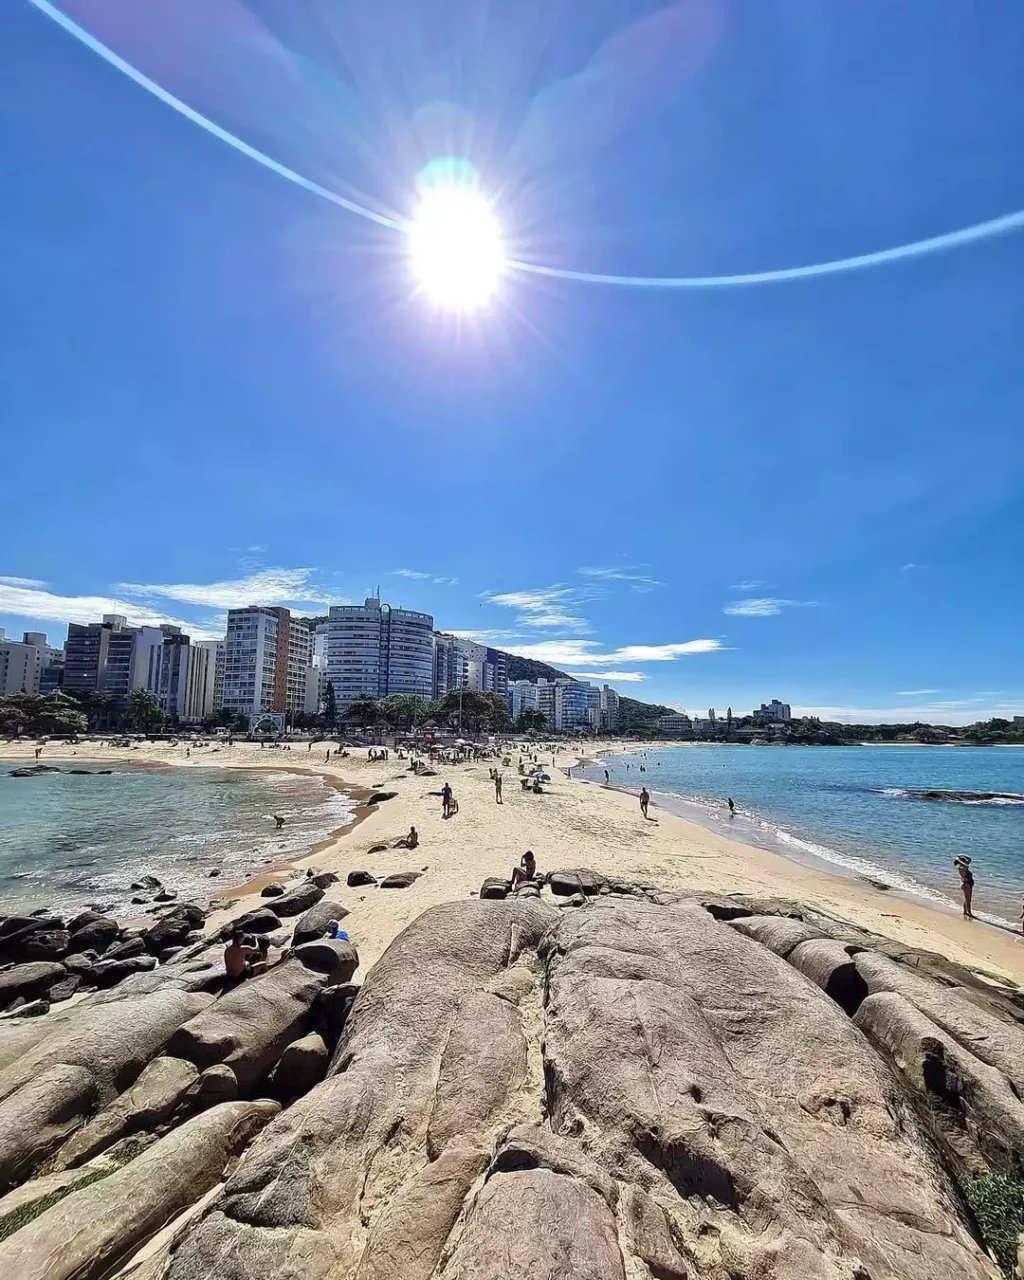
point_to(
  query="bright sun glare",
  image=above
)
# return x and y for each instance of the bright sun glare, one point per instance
(454, 240)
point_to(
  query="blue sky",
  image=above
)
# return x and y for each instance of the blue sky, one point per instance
(218, 389)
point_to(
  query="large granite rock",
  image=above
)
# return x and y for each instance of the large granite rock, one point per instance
(680, 1102)
(56, 1073)
(313, 924)
(302, 1065)
(248, 1028)
(90, 1232)
(29, 981)
(146, 1105)
(335, 958)
(298, 900)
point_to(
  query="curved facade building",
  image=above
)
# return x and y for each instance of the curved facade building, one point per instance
(374, 649)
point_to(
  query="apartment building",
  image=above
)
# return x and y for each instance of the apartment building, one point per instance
(205, 681)
(375, 649)
(775, 710)
(22, 662)
(266, 654)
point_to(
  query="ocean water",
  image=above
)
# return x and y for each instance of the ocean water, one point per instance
(67, 840)
(855, 808)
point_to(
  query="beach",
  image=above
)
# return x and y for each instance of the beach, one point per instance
(575, 823)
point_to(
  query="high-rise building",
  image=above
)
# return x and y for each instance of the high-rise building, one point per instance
(676, 725)
(205, 684)
(565, 703)
(464, 664)
(523, 696)
(266, 653)
(375, 649)
(775, 710)
(23, 662)
(449, 664)
(99, 656)
(167, 671)
(609, 710)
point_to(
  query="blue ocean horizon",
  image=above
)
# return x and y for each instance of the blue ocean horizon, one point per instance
(855, 809)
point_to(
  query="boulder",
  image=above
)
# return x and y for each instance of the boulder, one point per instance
(64, 989)
(565, 883)
(249, 1027)
(81, 962)
(171, 931)
(194, 936)
(336, 959)
(379, 797)
(89, 1233)
(400, 879)
(577, 900)
(28, 1008)
(56, 1073)
(147, 1104)
(302, 1065)
(313, 924)
(494, 888)
(324, 879)
(29, 981)
(124, 950)
(331, 1009)
(272, 890)
(169, 954)
(38, 1118)
(778, 933)
(356, 878)
(377, 848)
(108, 973)
(97, 935)
(262, 920)
(147, 882)
(213, 1086)
(165, 895)
(16, 931)
(46, 944)
(82, 919)
(298, 900)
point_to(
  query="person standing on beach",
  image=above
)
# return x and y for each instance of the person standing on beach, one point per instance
(645, 800)
(497, 787)
(963, 866)
(446, 799)
(606, 777)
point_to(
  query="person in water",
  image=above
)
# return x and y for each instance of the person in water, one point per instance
(732, 806)
(963, 866)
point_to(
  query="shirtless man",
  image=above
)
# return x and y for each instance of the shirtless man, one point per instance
(238, 958)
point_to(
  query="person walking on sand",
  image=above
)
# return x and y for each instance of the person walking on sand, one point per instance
(497, 788)
(645, 800)
(446, 799)
(963, 865)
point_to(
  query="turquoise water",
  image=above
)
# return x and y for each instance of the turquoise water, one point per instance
(67, 840)
(849, 806)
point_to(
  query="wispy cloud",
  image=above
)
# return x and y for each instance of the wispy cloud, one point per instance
(22, 582)
(484, 636)
(423, 575)
(915, 693)
(952, 711)
(547, 607)
(765, 606)
(581, 653)
(637, 581)
(258, 548)
(46, 606)
(909, 567)
(268, 586)
(629, 676)
(752, 584)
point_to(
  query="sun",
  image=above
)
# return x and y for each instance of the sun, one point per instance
(454, 239)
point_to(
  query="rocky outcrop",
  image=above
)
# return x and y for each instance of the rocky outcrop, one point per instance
(682, 1103)
(57, 1073)
(335, 958)
(87, 1234)
(313, 924)
(298, 900)
(29, 981)
(302, 1065)
(248, 1028)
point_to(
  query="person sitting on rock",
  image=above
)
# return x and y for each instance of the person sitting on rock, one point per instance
(239, 957)
(526, 871)
(410, 841)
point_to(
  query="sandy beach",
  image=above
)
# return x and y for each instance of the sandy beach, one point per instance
(573, 824)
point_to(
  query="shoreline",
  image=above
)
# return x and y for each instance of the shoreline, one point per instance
(575, 823)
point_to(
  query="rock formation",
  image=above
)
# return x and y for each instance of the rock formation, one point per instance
(646, 1087)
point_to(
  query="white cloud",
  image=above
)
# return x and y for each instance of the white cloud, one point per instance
(910, 566)
(953, 712)
(752, 584)
(257, 547)
(423, 575)
(546, 607)
(765, 606)
(915, 693)
(630, 676)
(22, 582)
(638, 581)
(27, 602)
(483, 637)
(580, 653)
(268, 586)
